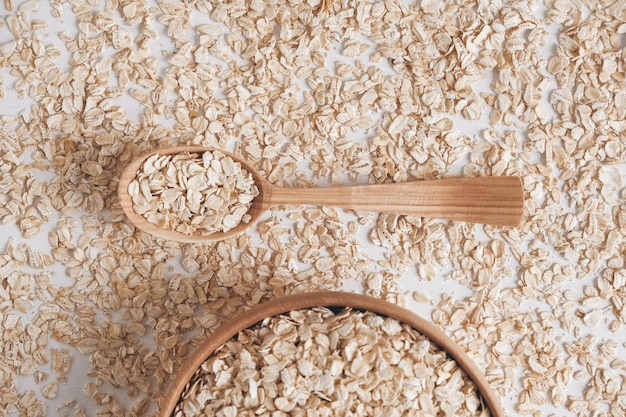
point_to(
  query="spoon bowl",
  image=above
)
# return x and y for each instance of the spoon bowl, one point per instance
(497, 201)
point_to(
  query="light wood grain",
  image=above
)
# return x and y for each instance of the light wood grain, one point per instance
(489, 200)
(497, 201)
(327, 299)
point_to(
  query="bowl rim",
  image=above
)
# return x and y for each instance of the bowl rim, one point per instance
(284, 304)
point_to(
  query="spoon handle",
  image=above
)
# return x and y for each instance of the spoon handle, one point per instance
(497, 201)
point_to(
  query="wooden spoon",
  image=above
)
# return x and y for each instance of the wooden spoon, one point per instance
(292, 302)
(497, 201)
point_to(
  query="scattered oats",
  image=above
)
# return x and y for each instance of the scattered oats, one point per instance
(313, 93)
(50, 391)
(421, 297)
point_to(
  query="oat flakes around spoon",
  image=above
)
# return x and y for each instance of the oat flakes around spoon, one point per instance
(497, 201)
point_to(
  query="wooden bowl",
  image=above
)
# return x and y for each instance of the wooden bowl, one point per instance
(289, 303)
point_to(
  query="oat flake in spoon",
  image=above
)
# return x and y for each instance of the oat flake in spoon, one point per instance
(193, 193)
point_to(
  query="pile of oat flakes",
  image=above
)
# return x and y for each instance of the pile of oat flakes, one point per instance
(193, 193)
(363, 91)
(317, 362)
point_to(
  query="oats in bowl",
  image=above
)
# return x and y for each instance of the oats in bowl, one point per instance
(323, 362)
